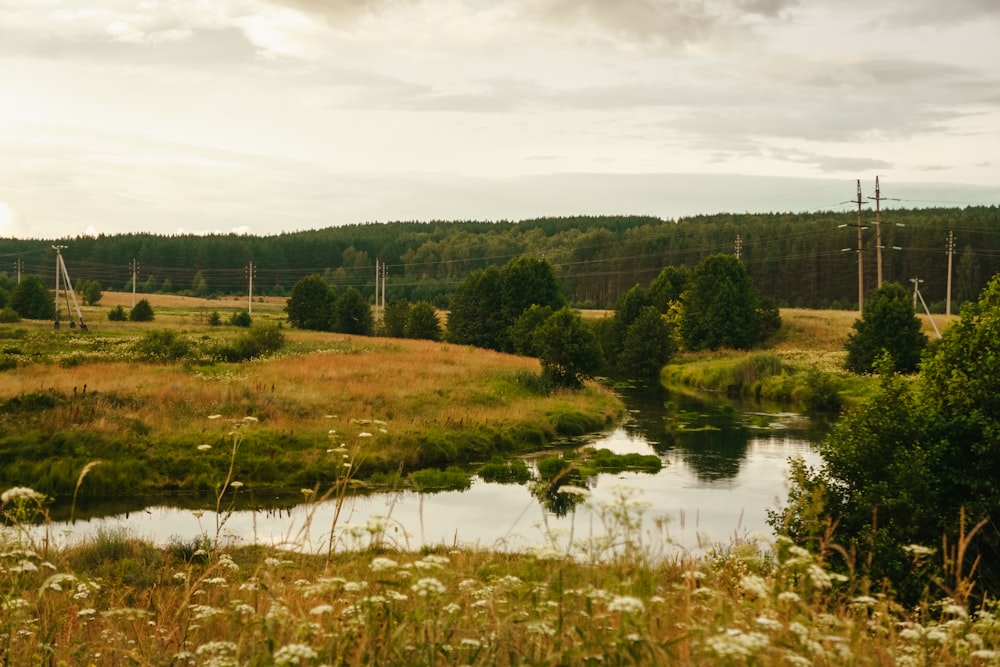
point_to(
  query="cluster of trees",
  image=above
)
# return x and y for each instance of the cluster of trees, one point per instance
(794, 259)
(912, 465)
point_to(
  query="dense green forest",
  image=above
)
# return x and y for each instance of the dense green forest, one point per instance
(799, 259)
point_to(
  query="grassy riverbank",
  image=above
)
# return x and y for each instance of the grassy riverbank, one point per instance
(74, 397)
(803, 366)
(624, 599)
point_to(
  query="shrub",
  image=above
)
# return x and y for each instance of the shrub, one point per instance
(142, 312)
(259, 341)
(214, 319)
(241, 318)
(163, 345)
(117, 314)
(9, 316)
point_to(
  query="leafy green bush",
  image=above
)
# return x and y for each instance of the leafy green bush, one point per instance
(259, 341)
(241, 318)
(604, 460)
(142, 312)
(117, 314)
(9, 316)
(165, 345)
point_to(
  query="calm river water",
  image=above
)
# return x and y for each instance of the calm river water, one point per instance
(725, 465)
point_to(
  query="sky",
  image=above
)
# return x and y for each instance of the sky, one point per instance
(270, 116)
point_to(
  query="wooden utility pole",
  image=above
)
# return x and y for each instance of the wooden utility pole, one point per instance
(951, 251)
(739, 247)
(878, 229)
(58, 249)
(250, 271)
(135, 270)
(861, 272)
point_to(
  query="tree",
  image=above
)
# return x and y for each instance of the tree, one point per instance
(475, 316)
(568, 349)
(423, 322)
(719, 306)
(310, 305)
(668, 287)
(142, 312)
(90, 292)
(921, 454)
(627, 309)
(353, 314)
(199, 286)
(648, 345)
(32, 299)
(888, 323)
(522, 333)
(394, 318)
(527, 281)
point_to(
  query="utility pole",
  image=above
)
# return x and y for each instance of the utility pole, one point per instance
(916, 293)
(135, 270)
(18, 266)
(739, 247)
(878, 227)
(250, 272)
(951, 251)
(385, 274)
(58, 249)
(861, 272)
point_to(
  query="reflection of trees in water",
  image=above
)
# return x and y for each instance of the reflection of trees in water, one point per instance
(710, 436)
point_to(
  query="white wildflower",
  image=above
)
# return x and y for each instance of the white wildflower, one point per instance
(204, 447)
(626, 604)
(428, 586)
(754, 585)
(294, 654)
(21, 493)
(380, 564)
(321, 609)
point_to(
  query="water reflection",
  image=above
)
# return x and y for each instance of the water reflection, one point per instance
(725, 467)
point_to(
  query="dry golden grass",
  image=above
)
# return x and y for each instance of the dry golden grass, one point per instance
(411, 384)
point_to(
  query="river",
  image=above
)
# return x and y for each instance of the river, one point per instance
(725, 465)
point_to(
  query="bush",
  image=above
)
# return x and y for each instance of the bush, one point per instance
(214, 319)
(163, 345)
(259, 341)
(888, 323)
(9, 316)
(449, 479)
(117, 314)
(142, 312)
(241, 318)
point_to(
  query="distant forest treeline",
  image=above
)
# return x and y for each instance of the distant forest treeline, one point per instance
(804, 260)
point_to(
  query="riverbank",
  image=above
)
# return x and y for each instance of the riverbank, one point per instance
(286, 421)
(802, 367)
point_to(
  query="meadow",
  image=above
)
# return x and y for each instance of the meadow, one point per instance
(156, 405)
(625, 597)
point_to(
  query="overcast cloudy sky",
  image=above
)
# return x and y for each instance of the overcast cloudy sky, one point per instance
(276, 115)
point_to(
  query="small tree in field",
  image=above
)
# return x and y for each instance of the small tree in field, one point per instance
(423, 322)
(32, 299)
(568, 349)
(310, 305)
(888, 324)
(353, 314)
(142, 312)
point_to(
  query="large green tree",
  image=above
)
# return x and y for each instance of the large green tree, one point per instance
(528, 281)
(568, 349)
(32, 299)
(720, 306)
(423, 322)
(353, 314)
(889, 325)
(310, 305)
(476, 316)
(648, 345)
(905, 467)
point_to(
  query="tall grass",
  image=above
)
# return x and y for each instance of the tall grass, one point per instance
(619, 597)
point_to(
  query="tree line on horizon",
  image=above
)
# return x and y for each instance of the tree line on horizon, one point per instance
(806, 260)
